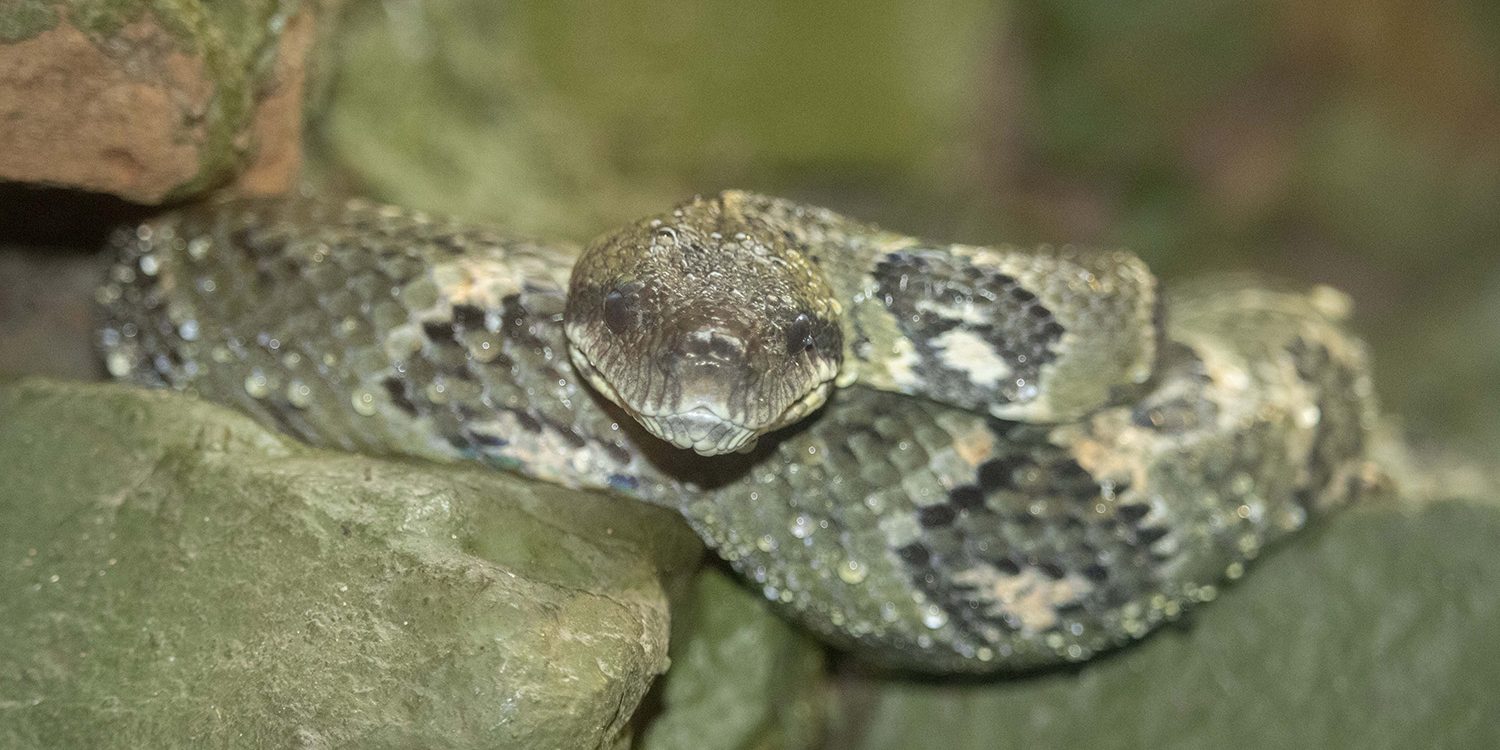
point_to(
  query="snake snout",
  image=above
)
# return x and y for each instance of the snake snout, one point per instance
(714, 344)
(701, 430)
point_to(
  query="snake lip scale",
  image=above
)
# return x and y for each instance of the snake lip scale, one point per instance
(1027, 456)
(699, 427)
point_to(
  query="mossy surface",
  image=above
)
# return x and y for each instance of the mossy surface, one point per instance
(741, 678)
(175, 576)
(25, 19)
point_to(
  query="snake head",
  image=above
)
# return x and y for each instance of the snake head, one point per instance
(706, 331)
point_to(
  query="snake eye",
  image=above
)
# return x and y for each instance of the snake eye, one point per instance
(799, 335)
(622, 310)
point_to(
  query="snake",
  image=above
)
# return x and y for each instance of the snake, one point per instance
(728, 318)
(941, 458)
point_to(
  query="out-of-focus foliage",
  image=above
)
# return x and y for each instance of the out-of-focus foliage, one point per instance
(1355, 143)
(565, 118)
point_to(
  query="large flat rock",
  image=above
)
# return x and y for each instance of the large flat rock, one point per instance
(172, 575)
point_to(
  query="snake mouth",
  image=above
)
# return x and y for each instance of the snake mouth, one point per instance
(708, 433)
(700, 428)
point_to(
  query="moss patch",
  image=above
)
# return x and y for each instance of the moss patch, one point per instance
(742, 678)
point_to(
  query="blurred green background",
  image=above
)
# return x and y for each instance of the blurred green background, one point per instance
(1353, 143)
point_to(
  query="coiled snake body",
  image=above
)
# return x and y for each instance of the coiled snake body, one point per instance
(916, 518)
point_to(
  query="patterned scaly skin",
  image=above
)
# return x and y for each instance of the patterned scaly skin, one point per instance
(731, 316)
(920, 535)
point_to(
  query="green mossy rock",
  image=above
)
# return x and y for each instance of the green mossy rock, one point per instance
(1377, 629)
(172, 575)
(741, 679)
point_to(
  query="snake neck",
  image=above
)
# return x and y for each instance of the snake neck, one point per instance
(1032, 334)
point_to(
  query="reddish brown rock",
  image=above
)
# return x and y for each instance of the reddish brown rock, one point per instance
(275, 131)
(146, 114)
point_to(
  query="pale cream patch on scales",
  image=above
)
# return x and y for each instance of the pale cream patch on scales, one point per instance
(1029, 597)
(902, 363)
(965, 352)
